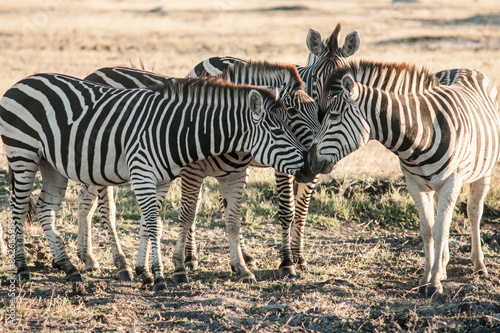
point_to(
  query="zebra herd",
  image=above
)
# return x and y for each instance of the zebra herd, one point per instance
(122, 124)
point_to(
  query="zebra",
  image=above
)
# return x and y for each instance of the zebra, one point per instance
(231, 171)
(325, 55)
(99, 135)
(445, 134)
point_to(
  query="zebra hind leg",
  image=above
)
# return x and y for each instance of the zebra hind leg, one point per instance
(303, 194)
(51, 196)
(87, 204)
(286, 212)
(107, 211)
(478, 192)
(22, 184)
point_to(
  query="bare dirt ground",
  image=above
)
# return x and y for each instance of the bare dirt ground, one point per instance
(362, 277)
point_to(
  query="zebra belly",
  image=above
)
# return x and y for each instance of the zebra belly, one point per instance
(221, 165)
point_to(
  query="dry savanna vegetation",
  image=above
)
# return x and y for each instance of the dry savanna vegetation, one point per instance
(363, 242)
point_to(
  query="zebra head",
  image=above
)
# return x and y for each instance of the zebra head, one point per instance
(272, 143)
(344, 129)
(324, 57)
(300, 112)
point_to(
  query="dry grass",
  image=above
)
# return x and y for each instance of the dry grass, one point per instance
(362, 276)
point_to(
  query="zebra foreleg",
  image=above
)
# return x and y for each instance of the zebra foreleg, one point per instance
(185, 254)
(286, 213)
(146, 239)
(107, 211)
(303, 194)
(142, 262)
(232, 190)
(87, 204)
(448, 194)
(478, 191)
(149, 198)
(425, 204)
(51, 196)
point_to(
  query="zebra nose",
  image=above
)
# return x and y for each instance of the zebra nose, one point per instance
(312, 156)
(305, 175)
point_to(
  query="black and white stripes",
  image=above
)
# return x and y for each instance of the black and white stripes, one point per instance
(445, 135)
(70, 128)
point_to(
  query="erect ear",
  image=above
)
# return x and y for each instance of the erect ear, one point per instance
(313, 41)
(272, 89)
(333, 40)
(350, 87)
(351, 44)
(255, 102)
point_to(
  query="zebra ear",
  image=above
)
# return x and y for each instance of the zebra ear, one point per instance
(351, 44)
(350, 87)
(272, 89)
(255, 102)
(313, 41)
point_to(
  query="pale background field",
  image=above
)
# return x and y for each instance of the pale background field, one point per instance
(362, 276)
(78, 37)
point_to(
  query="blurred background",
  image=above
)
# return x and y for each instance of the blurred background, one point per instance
(76, 37)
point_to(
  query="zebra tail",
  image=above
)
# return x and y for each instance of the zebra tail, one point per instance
(32, 203)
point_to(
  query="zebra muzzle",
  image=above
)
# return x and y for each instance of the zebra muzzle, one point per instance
(318, 163)
(305, 174)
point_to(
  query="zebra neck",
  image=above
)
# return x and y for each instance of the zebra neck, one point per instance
(261, 78)
(306, 76)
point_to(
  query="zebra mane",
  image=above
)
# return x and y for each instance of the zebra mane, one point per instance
(192, 87)
(400, 78)
(283, 73)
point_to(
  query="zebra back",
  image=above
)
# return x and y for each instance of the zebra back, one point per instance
(399, 78)
(100, 135)
(128, 77)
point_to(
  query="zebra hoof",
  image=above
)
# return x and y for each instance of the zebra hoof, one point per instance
(91, 270)
(287, 272)
(422, 289)
(248, 279)
(302, 265)
(74, 277)
(250, 262)
(180, 277)
(482, 272)
(191, 264)
(160, 286)
(23, 277)
(125, 275)
(434, 291)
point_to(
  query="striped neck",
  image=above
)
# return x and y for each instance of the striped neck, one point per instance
(284, 77)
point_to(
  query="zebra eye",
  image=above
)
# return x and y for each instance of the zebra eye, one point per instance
(292, 111)
(277, 131)
(334, 115)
